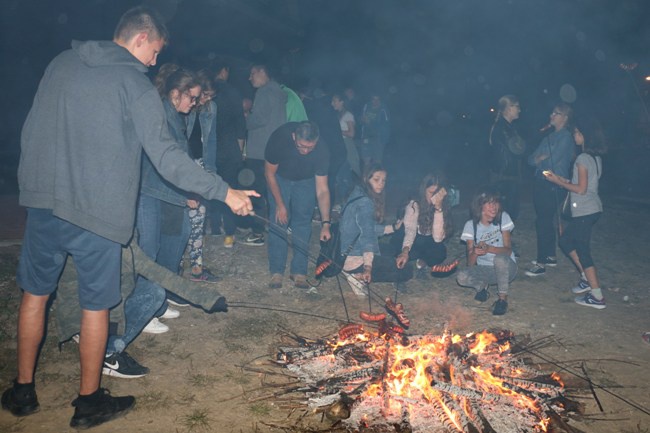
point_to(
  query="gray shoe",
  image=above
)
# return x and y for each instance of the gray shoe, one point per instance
(276, 281)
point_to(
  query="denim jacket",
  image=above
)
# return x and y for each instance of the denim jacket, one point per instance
(208, 120)
(359, 219)
(560, 148)
(153, 184)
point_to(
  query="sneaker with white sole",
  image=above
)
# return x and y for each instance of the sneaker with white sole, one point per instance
(536, 270)
(548, 261)
(170, 313)
(155, 326)
(177, 303)
(582, 287)
(254, 240)
(588, 300)
(122, 365)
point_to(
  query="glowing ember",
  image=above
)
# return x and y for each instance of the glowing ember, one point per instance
(428, 383)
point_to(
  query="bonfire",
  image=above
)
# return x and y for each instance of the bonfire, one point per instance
(374, 377)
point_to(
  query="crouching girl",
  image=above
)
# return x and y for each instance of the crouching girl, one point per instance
(490, 259)
(361, 226)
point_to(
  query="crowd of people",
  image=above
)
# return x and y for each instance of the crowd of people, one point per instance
(167, 158)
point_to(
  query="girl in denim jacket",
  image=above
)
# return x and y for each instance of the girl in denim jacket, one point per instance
(361, 226)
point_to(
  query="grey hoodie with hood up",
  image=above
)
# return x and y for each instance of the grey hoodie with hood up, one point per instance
(93, 114)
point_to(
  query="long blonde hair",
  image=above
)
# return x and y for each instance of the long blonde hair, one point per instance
(504, 102)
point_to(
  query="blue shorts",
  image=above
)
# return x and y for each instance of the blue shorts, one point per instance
(47, 243)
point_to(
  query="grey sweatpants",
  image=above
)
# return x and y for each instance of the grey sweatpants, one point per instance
(501, 273)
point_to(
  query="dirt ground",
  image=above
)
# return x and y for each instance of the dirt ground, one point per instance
(197, 384)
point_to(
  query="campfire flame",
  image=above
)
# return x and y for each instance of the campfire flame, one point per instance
(468, 383)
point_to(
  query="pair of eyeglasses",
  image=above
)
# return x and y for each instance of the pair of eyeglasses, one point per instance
(555, 113)
(192, 97)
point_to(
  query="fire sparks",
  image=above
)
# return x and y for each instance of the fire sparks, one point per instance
(430, 383)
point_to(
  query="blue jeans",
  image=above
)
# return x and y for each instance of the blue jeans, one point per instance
(173, 244)
(147, 297)
(299, 197)
(172, 247)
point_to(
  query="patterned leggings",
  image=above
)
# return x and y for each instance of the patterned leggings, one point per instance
(195, 242)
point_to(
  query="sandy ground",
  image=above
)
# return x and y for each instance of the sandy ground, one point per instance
(196, 383)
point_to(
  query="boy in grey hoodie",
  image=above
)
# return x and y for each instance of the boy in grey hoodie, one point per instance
(93, 114)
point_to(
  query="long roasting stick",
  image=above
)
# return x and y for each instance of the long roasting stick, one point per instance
(591, 386)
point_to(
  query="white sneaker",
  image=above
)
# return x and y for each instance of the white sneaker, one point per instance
(170, 313)
(177, 304)
(358, 287)
(155, 326)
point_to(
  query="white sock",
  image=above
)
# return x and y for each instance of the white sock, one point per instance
(597, 293)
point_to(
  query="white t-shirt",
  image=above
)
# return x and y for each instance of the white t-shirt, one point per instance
(490, 234)
(343, 121)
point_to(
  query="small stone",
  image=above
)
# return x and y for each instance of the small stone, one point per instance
(552, 325)
(626, 298)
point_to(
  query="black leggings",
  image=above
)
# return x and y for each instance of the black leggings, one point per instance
(577, 237)
(423, 248)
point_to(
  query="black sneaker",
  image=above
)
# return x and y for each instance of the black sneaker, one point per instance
(500, 307)
(20, 400)
(99, 408)
(536, 270)
(253, 240)
(122, 365)
(482, 295)
(548, 261)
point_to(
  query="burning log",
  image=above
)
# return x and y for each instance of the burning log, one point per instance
(334, 383)
(472, 394)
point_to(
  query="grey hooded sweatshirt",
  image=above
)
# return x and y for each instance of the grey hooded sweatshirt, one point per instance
(93, 114)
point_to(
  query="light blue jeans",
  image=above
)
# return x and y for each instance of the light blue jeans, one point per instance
(300, 198)
(147, 298)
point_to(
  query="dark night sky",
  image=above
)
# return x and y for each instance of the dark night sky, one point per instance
(434, 61)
